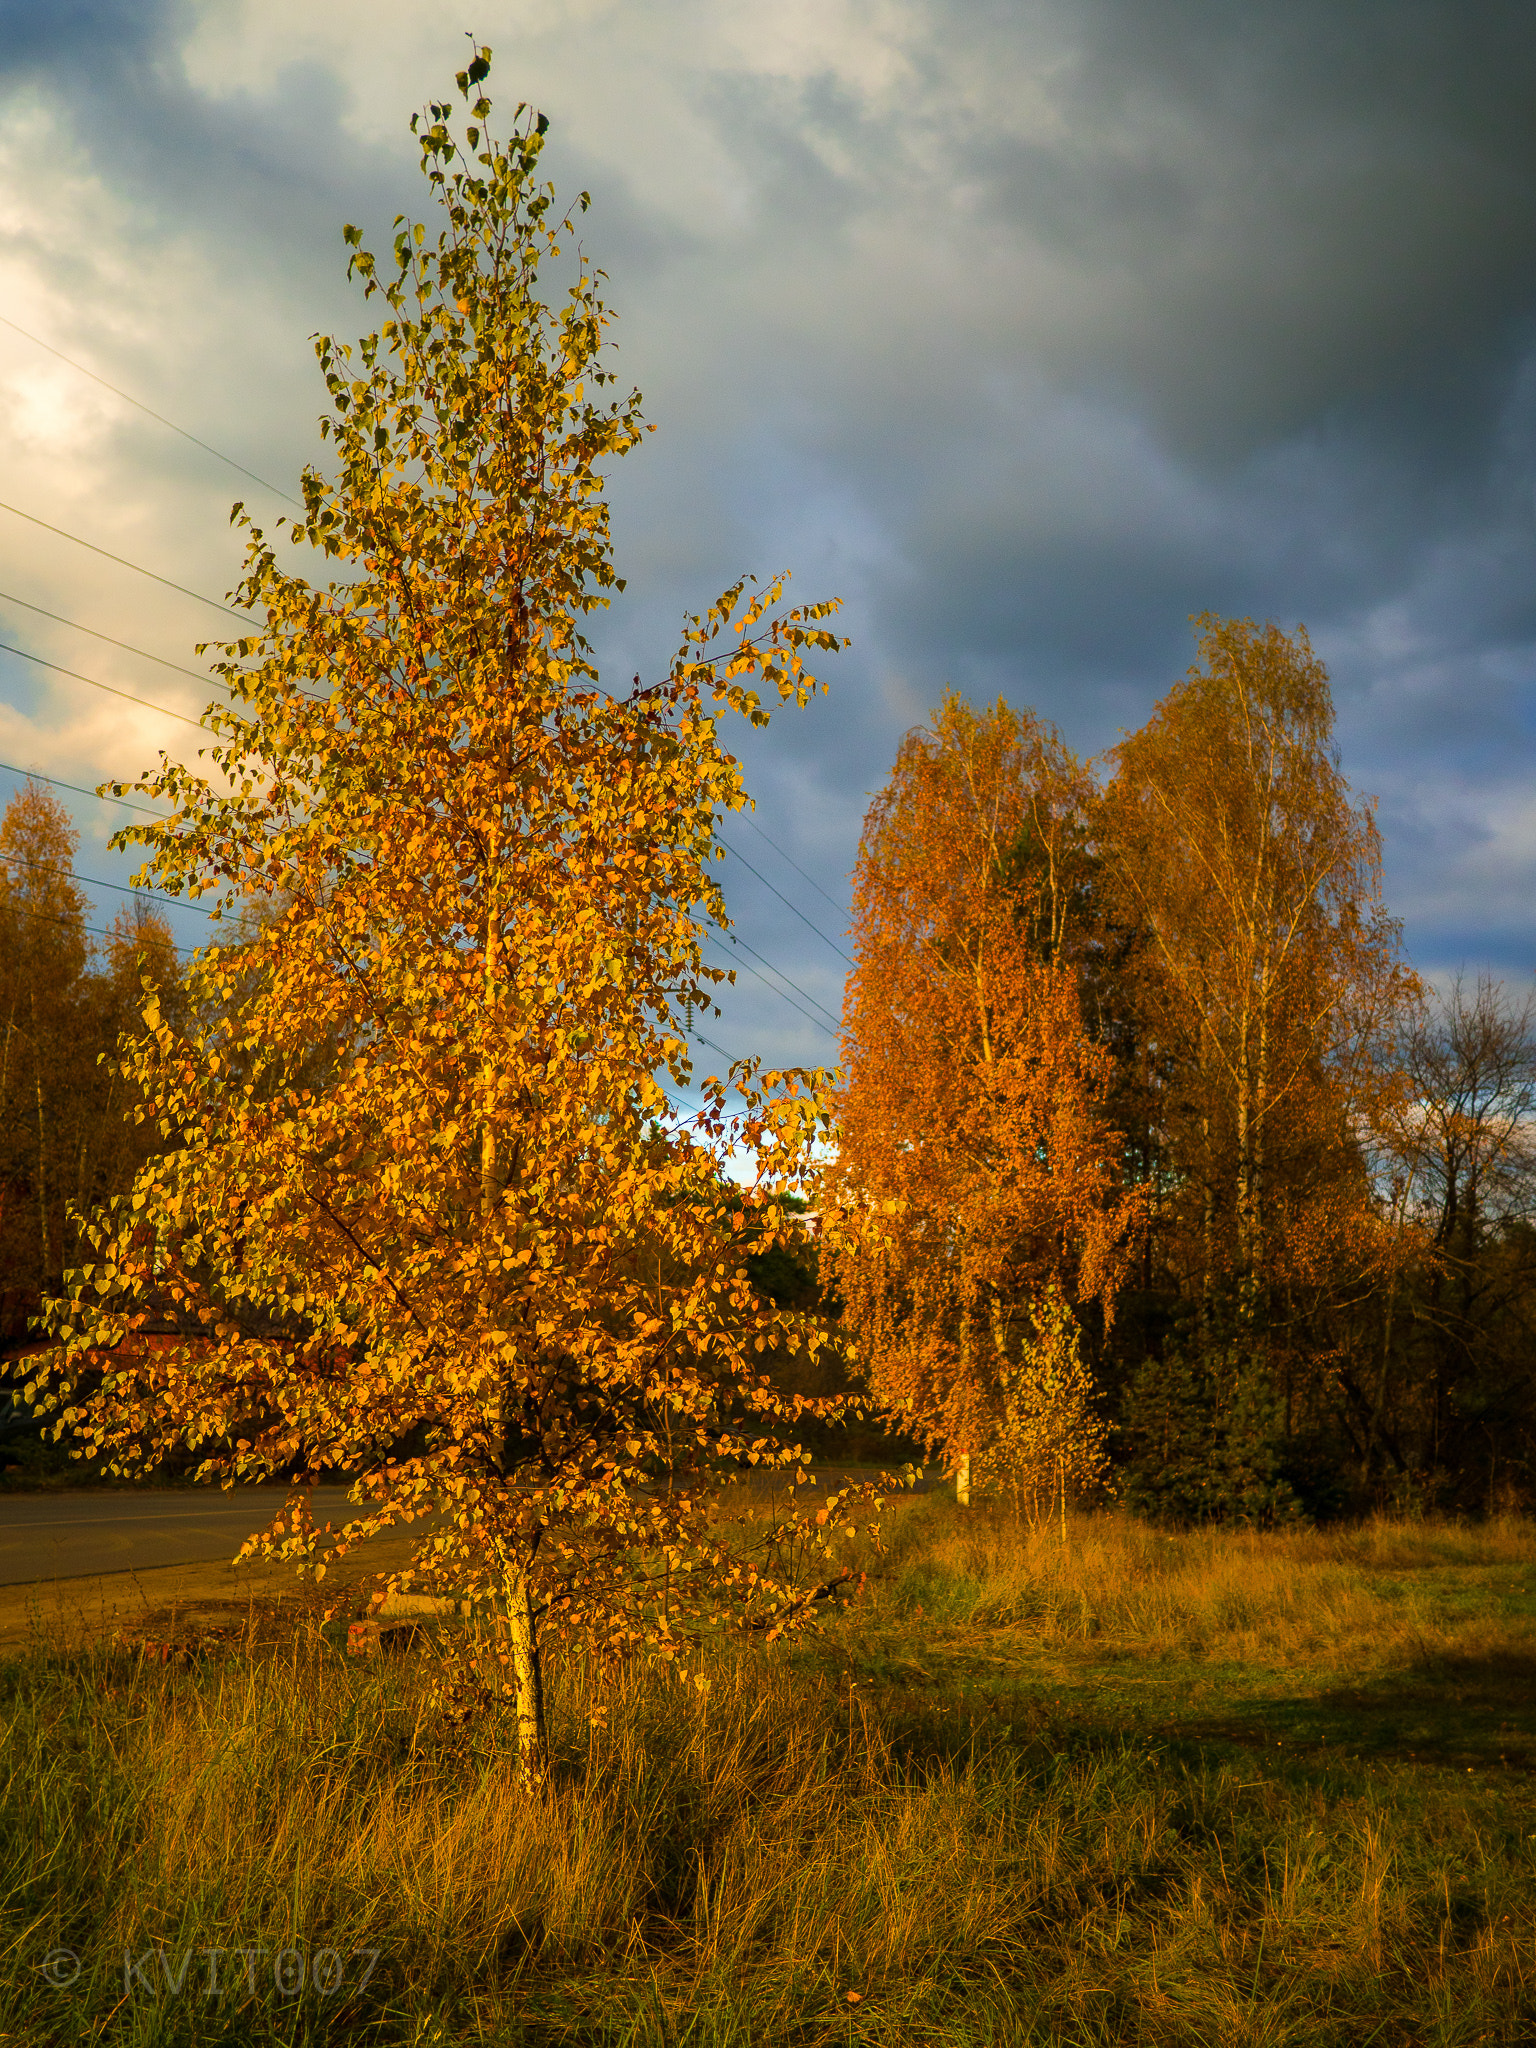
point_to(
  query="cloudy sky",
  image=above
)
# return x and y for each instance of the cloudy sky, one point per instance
(1028, 328)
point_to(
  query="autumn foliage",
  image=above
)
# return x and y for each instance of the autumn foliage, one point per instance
(977, 1169)
(1266, 969)
(429, 1213)
(65, 994)
(1133, 1034)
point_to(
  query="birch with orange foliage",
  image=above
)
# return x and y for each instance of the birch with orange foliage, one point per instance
(976, 1168)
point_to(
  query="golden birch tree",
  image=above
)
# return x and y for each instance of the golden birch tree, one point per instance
(975, 1165)
(1268, 986)
(1271, 972)
(434, 1218)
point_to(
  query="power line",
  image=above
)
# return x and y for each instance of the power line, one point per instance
(314, 696)
(95, 882)
(122, 561)
(127, 647)
(37, 775)
(229, 460)
(91, 882)
(774, 989)
(128, 399)
(814, 1001)
(752, 822)
(713, 1047)
(719, 945)
(126, 695)
(96, 930)
(217, 606)
(837, 949)
(145, 703)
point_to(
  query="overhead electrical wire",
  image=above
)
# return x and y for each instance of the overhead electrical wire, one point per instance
(816, 928)
(152, 896)
(111, 690)
(814, 1001)
(217, 605)
(277, 491)
(219, 456)
(830, 1026)
(774, 990)
(95, 882)
(122, 561)
(712, 1046)
(80, 790)
(128, 399)
(165, 711)
(720, 946)
(127, 647)
(37, 775)
(752, 822)
(96, 930)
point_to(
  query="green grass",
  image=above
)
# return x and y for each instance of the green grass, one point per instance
(1224, 1789)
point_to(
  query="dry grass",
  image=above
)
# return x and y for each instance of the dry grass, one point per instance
(1377, 1590)
(913, 1814)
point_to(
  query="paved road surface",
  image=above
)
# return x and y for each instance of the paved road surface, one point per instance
(67, 1535)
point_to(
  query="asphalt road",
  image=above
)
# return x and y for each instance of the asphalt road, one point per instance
(71, 1535)
(67, 1535)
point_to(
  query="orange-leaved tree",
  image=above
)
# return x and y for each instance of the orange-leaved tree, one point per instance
(64, 1143)
(976, 1170)
(436, 1219)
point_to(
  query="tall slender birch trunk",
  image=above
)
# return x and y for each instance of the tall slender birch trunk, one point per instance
(522, 1623)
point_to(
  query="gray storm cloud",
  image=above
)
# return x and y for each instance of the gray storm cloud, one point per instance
(1029, 329)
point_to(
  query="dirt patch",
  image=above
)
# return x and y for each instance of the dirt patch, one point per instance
(184, 1602)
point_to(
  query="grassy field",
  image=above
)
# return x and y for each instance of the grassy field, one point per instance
(1215, 1788)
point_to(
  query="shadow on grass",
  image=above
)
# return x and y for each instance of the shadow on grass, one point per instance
(1461, 1712)
(1469, 1712)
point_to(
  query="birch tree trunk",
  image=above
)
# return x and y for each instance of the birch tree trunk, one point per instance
(528, 1671)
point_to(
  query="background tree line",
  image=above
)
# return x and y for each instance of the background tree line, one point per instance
(1144, 1041)
(68, 1141)
(1139, 1045)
